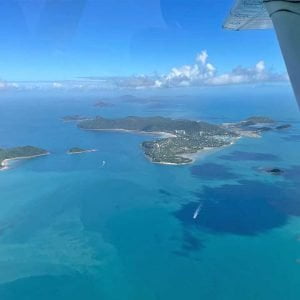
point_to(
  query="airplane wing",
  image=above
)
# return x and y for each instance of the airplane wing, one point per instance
(248, 14)
(284, 16)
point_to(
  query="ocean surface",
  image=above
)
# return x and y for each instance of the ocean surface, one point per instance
(74, 228)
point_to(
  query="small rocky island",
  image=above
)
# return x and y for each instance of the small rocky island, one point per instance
(74, 118)
(272, 171)
(284, 126)
(77, 150)
(25, 152)
(255, 120)
(180, 139)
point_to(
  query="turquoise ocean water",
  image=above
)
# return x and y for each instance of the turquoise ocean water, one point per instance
(71, 228)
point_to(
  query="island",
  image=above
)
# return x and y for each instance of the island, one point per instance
(284, 126)
(25, 152)
(255, 120)
(179, 139)
(255, 126)
(77, 150)
(74, 118)
(274, 171)
(102, 104)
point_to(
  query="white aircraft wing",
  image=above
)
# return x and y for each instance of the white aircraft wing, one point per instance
(284, 16)
(248, 14)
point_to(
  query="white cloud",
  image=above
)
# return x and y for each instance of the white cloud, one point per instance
(258, 73)
(13, 85)
(3, 85)
(260, 66)
(202, 57)
(203, 73)
(57, 85)
(200, 73)
(189, 75)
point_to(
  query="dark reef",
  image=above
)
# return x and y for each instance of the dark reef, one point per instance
(251, 156)
(246, 208)
(212, 171)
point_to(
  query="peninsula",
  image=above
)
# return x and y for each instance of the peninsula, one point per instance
(25, 152)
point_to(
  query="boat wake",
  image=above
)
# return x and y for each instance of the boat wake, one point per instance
(197, 211)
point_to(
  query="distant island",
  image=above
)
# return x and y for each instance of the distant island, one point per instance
(275, 171)
(284, 126)
(271, 171)
(77, 150)
(252, 121)
(102, 103)
(74, 118)
(25, 152)
(181, 139)
(255, 126)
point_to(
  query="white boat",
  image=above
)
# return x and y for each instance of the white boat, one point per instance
(197, 211)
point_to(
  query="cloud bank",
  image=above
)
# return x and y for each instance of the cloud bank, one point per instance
(200, 73)
(4, 85)
(203, 73)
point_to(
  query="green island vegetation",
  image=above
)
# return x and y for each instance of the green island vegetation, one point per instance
(20, 152)
(77, 150)
(181, 137)
(257, 120)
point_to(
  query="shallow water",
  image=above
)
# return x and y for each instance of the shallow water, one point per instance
(71, 228)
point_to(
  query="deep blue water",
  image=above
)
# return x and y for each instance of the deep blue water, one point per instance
(71, 228)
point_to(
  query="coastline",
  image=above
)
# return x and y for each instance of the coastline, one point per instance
(162, 134)
(201, 154)
(5, 163)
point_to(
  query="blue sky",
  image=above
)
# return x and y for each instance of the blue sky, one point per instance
(67, 39)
